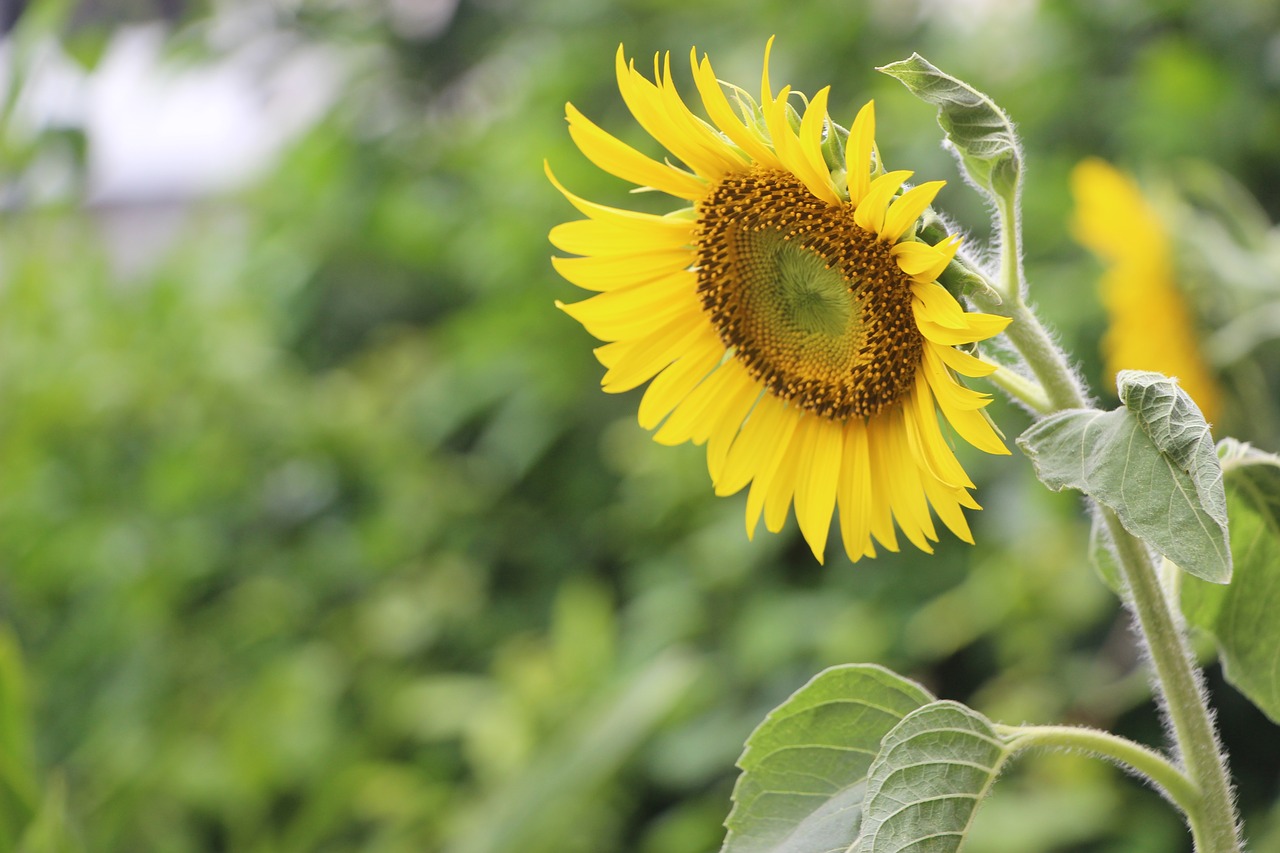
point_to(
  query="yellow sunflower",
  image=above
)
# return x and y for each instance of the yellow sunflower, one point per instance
(1151, 325)
(787, 315)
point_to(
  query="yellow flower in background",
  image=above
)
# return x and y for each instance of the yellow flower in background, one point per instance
(1152, 327)
(787, 315)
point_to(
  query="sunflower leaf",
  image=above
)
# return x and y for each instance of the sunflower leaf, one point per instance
(804, 769)
(1152, 462)
(978, 131)
(1241, 616)
(932, 771)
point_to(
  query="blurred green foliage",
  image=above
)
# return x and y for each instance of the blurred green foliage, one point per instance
(316, 533)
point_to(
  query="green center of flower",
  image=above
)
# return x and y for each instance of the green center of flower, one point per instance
(814, 305)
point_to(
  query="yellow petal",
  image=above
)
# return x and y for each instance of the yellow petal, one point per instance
(682, 376)
(816, 486)
(718, 155)
(871, 210)
(636, 311)
(933, 302)
(904, 212)
(902, 479)
(692, 418)
(591, 237)
(615, 215)
(810, 166)
(854, 492)
(926, 439)
(949, 392)
(617, 158)
(670, 123)
(963, 363)
(857, 152)
(980, 327)
(915, 258)
(773, 484)
(881, 497)
(969, 423)
(946, 503)
(637, 361)
(744, 136)
(609, 272)
(740, 397)
(782, 485)
(765, 432)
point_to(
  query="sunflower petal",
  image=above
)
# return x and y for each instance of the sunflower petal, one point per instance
(739, 400)
(857, 152)
(816, 486)
(980, 327)
(592, 237)
(766, 431)
(933, 302)
(617, 158)
(881, 471)
(744, 136)
(871, 210)
(632, 363)
(853, 492)
(689, 418)
(810, 166)
(636, 311)
(669, 121)
(615, 215)
(681, 377)
(904, 212)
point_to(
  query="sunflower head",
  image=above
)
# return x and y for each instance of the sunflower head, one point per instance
(785, 314)
(1151, 323)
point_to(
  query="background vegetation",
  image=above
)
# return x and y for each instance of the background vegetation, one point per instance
(316, 533)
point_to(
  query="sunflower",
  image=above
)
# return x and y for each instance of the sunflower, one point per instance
(787, 315)
(1151, 324)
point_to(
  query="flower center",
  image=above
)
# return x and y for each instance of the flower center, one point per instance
(813, 304)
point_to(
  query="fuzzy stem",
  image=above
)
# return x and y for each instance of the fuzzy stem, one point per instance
(1212, 818)
(1011, 277)
(1149, 763)
(1019, 387)
(1213, 825)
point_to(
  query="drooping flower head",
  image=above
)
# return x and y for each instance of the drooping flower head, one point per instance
(787, 315)
(1151, 325)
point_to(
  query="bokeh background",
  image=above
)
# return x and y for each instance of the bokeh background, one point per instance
(316, 533)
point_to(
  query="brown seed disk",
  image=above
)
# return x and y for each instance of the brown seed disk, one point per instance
(813, 304)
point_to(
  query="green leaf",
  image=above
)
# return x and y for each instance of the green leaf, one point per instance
(1242, 616)
(805, 767)
(1152, 462)
(978, 131)
(933, 770)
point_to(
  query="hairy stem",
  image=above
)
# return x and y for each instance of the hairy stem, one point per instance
(1149, 763)
(1019, 387)
(1211, 813)
(1214, 825)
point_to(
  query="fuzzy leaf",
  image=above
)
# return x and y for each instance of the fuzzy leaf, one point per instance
(933, 770)
(1242, 615)
(977, 130)
(1152, 462)
(804, 770)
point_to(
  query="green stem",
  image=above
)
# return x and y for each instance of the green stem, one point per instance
(1214, 825)
(1211, 814)
(1011, 278)
(1123, 751)
(1021, 388)
(1046, 360)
